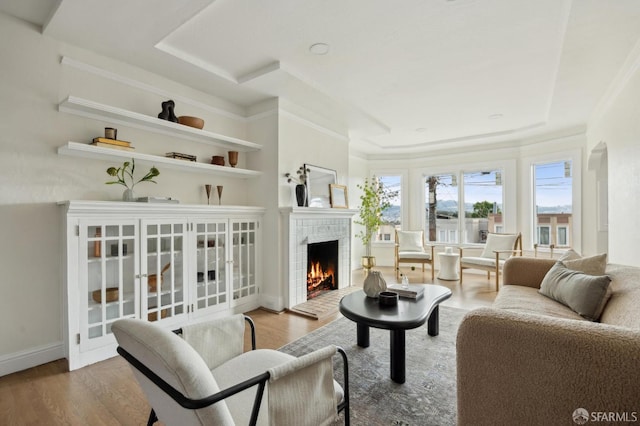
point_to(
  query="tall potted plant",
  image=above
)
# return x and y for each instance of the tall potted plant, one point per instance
(373, 201)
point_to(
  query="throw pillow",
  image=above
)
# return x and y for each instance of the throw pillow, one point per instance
(594, 265)
(410, 241)
(583, 293)
(570, 254)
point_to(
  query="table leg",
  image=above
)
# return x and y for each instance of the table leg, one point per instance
(398, 356)
(363, 335)
(433, 325)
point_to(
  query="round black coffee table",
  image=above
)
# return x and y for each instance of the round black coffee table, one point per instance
(408, 314)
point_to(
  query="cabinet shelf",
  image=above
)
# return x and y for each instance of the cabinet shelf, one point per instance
(98, 111)
(78, 149)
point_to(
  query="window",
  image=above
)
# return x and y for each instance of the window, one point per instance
(553, 204)
(543, 235)
(441, 206)
(482, 204)
(391, 216)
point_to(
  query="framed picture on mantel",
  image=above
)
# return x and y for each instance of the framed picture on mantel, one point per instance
(318, 184)
(338, 195)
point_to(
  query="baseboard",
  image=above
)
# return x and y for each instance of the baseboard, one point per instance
(23, 360)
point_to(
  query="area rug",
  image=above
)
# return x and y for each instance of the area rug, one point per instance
(428, 397)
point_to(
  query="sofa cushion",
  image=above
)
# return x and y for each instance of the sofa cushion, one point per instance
(528, 300)
(499, 242)
(594, 265)
(583, 293)
(410, 241)
(622, 307)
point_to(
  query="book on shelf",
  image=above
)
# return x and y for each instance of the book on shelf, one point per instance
(112, 146)
(180, 156)
(167, 200)
(411, 292)
(112, 141)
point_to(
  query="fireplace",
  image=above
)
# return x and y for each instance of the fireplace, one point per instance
(322, 268)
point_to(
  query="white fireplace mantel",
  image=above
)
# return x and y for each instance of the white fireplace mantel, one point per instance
(306, 225)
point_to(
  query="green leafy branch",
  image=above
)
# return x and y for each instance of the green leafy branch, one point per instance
(125, 172)
(375, 199)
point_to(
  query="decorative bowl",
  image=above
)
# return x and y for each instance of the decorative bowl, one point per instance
(218, 160)
(111, 295)
(388, 298)
(196, 122)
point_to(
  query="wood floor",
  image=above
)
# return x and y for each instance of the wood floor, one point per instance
(106, 393)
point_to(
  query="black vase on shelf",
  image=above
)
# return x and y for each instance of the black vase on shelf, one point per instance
(301, 195)
(167, 112)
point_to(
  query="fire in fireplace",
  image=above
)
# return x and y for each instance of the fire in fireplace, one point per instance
(322, 268)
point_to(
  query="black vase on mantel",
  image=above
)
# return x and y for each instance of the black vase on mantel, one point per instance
(301, 195)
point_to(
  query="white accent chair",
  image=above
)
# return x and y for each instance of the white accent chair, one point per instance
(410, 248)
(497, 249)
(204, 378)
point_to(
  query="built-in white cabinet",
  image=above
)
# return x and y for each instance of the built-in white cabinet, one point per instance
(168, 263)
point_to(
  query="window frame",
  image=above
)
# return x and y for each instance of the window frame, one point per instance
(509, 190)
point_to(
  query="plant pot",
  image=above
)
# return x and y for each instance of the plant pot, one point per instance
(368, 262)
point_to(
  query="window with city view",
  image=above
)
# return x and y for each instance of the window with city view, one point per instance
(391, 216)
(481, 208)
(553, 202)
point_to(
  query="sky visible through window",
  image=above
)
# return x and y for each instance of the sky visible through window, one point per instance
(553, 187)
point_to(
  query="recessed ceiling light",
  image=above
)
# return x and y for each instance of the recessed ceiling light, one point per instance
(496, 116)
(319, 48)
(421, 129)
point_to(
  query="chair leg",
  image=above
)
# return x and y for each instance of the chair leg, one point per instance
(488, 275)
(152, 418)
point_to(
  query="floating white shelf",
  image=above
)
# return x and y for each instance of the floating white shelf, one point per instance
(98, 111)
(89, 151)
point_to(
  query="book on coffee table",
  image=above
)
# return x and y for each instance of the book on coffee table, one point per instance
(412, 292)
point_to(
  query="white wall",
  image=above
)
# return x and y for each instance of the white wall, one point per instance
(34, 178)
(619, 127)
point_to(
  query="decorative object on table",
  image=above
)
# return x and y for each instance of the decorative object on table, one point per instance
(112, 143)
(124, 176)
(181, 156)
(338, 196)
(318, 184)
(388, 298)
(219, 189)
(152, 280)
(110, 133)
(195, 122)
(301, 188)
(165, 200)
(207, 189)
(233, 158)
(218, 160)
(167, 112)
(373, 201)
(374, 283)
(110, 295)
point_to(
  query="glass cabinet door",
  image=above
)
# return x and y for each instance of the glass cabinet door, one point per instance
(243, 237)
(108, 269)
(211, 266)
(163, 270)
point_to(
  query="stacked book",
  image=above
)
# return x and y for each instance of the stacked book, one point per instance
(112, 143)
(166, 200)
(410, 292)
(180, 156)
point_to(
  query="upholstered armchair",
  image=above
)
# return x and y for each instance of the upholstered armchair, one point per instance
(205, 378)
(410, 248)
(497, 249)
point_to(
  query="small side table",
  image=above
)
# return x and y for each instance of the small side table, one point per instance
(448, 266)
